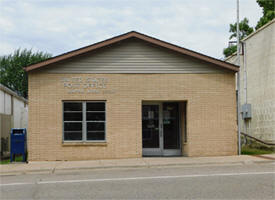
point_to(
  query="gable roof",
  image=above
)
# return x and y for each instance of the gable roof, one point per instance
(133, 34)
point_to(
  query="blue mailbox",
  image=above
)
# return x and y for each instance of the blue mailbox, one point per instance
(18, 143)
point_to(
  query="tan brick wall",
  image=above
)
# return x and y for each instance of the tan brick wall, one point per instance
(211, 114)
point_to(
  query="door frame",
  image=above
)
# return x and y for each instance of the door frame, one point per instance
(161, 151)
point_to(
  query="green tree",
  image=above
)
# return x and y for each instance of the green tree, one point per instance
(229, 50)
(12, 74)
(245, 30)
(268, 7)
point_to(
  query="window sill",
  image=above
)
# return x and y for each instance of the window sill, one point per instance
(84, 144)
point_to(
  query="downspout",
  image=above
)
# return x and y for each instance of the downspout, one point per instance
(244, 72)
(245, 82)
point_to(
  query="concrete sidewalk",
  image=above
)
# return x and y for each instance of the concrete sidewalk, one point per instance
(59, 166)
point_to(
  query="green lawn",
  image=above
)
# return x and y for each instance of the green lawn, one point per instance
(7, 161)
(254, 151)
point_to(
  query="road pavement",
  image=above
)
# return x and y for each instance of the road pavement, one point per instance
(230, 181)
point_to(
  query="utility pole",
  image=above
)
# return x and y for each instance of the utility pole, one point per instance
(238, 82)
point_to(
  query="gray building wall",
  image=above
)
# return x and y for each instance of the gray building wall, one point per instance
(259, 61)
(13, 114)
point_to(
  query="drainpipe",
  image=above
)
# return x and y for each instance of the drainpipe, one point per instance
(245, 82)
(238, 82)
(244, 72)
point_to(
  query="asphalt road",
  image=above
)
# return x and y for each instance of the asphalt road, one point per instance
(253, 181)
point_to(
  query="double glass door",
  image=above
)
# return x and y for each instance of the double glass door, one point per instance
(161, 129)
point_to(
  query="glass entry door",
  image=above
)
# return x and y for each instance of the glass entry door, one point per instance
(151, 130)
(171, 129)
(161, 129)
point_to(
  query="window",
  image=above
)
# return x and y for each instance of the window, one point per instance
(84, 121)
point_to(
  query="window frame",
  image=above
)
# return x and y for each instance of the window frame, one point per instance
(84, 122)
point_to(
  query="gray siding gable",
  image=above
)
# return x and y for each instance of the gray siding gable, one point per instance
(133, 56)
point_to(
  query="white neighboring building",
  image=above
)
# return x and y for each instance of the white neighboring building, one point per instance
(13, 114)
(258, 82)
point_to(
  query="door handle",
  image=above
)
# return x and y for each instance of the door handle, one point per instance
(161, 130)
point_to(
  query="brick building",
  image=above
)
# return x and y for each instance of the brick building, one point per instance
(131, 96)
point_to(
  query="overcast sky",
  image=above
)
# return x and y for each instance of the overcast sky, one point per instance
(58, 26)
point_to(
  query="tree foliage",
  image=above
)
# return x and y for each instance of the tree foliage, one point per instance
(268, 7)
(229, 50)
(12, 74)
(245, 30)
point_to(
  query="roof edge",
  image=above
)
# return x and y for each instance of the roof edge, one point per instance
(133, 34)
(66, 55)
(13, 93)
(260, 29)
(228, 57)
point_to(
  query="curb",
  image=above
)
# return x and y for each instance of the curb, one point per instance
(56, 170)
(265, 157)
